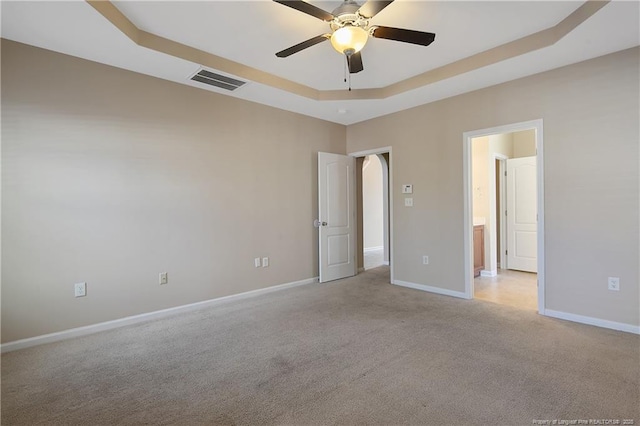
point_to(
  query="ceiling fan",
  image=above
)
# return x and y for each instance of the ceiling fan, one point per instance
(350, 29)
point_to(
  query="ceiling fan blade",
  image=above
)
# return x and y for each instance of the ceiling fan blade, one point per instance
(301, 46)
(372, 7)
(307, 8)
(406, 36)
(355, 63)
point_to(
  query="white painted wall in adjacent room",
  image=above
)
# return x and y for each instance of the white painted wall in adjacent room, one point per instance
(372, 202)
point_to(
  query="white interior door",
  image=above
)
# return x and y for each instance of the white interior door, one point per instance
(522, 222)
(336, 221)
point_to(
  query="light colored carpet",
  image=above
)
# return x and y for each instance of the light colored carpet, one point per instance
(356, 351)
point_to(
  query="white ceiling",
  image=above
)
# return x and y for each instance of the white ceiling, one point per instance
(250, 32)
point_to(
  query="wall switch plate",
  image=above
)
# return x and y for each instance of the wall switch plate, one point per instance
(425, 260)
(256, 262)
(408, 202)
(163, 278)
(613, 283)
(265, 262)
(407, 189)
(80, 289)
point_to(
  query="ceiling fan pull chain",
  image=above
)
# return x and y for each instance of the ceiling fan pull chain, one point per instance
(348, 65)
(345, 69)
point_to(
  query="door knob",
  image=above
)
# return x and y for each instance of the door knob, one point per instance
(318, 223)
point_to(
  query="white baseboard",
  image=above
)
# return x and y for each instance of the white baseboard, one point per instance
(386, 262)
(373, 267)
(485, 273)
(121, 322)
(437, 290)
(629, 328)
(373, 248)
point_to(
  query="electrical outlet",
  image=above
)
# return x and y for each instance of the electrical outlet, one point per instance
(408, 202)
(163, 278)
(613, 283)
(256, 262)
(80, 289)
(425, 260)
(265, 262)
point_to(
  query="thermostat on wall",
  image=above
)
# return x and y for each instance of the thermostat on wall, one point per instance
(407, 189)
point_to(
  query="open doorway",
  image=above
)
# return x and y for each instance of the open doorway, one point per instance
(374, 196)
(504, 242)
(373, 212)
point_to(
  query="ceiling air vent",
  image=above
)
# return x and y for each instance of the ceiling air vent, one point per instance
(217, 80)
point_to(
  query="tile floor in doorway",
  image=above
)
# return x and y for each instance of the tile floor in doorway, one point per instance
(512, 288)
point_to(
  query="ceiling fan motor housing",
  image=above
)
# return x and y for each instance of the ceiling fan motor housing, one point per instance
(347, 14)
(347, 6)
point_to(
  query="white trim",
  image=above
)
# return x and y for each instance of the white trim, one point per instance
(427, 288)
(135, 319)
(502, 258)
(375, 151)
(385, 206)
(540, 188)
(493, 213)
(468, 201)
(383, 150)
(490, 274)
(467, 215)
(385, 263)
(620, 326)
(373, 248)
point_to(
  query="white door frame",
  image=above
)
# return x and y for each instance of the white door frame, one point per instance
(468, 201)
(503, 219)
(385, 208)
(493, 214)
(378, 151)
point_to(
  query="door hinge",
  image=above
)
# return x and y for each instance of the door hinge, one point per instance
(505, 212)
(506, 252)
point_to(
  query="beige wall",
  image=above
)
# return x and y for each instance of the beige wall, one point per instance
(480, 176)
(111, 177)
(501, 144)
(590, 108)
(372, 202)
(524, 143)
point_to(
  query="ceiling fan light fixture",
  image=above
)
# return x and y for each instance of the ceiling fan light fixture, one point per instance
(349, 39)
